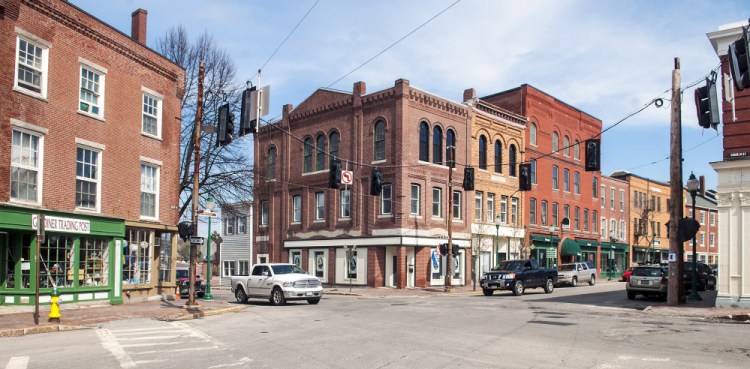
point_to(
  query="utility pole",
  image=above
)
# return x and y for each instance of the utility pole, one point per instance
(196, 182)
(449, 249)
(674, 292)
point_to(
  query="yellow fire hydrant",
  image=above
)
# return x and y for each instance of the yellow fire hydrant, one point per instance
(54, 310)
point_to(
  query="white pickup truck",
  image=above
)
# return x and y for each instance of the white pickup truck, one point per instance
(278, 283)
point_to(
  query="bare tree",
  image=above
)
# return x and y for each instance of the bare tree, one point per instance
(226, 171)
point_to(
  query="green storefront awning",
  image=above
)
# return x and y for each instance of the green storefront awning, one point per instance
(641, 249)
(588, 245)
(544, 241)
(570, 247)
(618, 247)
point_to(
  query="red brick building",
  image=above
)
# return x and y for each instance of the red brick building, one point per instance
(614, 224)
(707, 214)
(348, 236)
(89, 139)
(555, 134)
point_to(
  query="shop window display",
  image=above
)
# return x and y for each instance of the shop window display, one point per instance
(137, 257)
(57, 262)
(92, 262)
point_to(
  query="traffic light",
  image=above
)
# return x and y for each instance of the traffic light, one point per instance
(593, 154)
(249, 111)
(687, 228)
(377, 182)
(185, 230)
(443, 249)
(739, 60)
(524, 177)
(334, 173)
(707, 105)
(468, 179)
(226, 126)
(455, 249)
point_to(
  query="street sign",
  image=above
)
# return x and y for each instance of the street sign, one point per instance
(208, 214)
(196, 240)
(552, 253)
(347, 177)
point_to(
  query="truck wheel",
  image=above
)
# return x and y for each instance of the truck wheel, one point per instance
(240, 295)
(574, 281)
(277, 297)
(549, 286)
(487, 291)
(314, 301)
(631, 295)
(593, 280)
(518, 288)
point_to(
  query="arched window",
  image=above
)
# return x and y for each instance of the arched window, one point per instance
(512, 160)
(566, 146)
(482, 152)
(577, 150)
(308, 155)
(379, 140)
(271, 160)
(450, 141)
(532, 134)
(437, 145)
(555, 142)
(333, 146)
(320, 153)
(424, 142)
(498, 157)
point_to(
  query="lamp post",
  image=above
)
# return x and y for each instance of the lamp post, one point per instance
(210, 204)
(497, 240)
(551, 244)
(692, 186)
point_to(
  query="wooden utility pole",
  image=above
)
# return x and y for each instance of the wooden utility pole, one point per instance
(674, 293)
(449, 249)
(196, 182)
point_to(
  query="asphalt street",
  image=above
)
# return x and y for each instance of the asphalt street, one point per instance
(582, 327)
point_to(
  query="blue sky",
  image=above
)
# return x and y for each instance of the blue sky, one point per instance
(606, 58)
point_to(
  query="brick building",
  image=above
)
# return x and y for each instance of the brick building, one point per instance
(733, 192)
(497, 146)
(613, 222)
(395, 233)
(707, 214)
(561, 187)
(89, 139)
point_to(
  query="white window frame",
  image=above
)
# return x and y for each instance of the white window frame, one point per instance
(503, 209)
(603, 195)
(263, 213)
(514, 210)
(437, 202)
(622, 201)
(241, 225)
(603, 227)
(415, 202)
(386, 199)
(711, 239)
(156, 165)
(703, 238)
(712, 218)
(532, 210)
(621, 231)
(229, 225)
(457, 206)
(228, 268)
(158, 99)
(296, 209)
(42, 69)
(611, 198)
(703, 217)
(346, 202)
(320, 206)
(490, 208)
(478, 200)
(39, 133)
(99, 72)
(97, 180)
(577, 183)
(243, 267)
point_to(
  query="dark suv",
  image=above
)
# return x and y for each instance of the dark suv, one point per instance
(705, 279)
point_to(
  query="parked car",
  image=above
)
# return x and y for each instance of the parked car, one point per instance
(278, 283)
(573, 273)
(182, 274)
(517, 276)
(647, 280)
(626, 274)
(706, 279)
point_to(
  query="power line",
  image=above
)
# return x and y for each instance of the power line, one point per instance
(668, 156)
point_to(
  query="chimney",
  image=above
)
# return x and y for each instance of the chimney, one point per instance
(702, 189)
(138, 27)
(470, 94)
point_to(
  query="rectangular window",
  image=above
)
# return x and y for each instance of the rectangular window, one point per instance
(621, 231)
(57, 254)
(91, 97)
(92, 261)
(712, 219)
(566, 212)
(566, 180)
(533, 171)
(711, 239)
(346, 204)
(242, 225)
(151, 118)
(532, 210)
(457, 205)
(595, 187)
(703, 217)
(576, 218)
(416, 193)
(264, 213)
(604, 193)
(165, 257)
(555, 218)
(243, 267)
(228, 269)
(229, 225)
(31, 66)
(478, 200)
(137, 257)
(612, 228)
(514, 210)
(149, 190)
(544, 212)
(658, 204)
(25, 166)
(503, 209)
(703, 236)
(577, 183)
(490, 207)
(437, 202)
(622, 201)
(87, 178)
(320, 205)
(653, 202)
(603, 230)
(351, 270)
(386, 196)
(585, 220)
(594, 220)
(612, 198)
(319, 258)
(555, 185)
(296, 209)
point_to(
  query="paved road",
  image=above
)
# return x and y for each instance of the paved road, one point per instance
(582, 327)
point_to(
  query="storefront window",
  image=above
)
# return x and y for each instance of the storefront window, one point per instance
(319, 264)
(92, 262)
(57, 264)
(165, 257)
(137, 257)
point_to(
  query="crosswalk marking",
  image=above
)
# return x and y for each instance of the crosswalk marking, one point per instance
(18, 362)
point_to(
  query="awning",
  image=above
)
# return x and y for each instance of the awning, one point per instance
(570, 247)
(588, 245)
(618, 247)
(544, 241)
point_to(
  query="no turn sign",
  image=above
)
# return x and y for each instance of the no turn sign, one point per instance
(347, 177)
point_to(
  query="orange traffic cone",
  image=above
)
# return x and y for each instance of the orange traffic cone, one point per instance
(177, 292)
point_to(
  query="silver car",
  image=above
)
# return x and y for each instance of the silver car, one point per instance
(574, 273)
(648, 280)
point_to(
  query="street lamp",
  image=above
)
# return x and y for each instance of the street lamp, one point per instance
(210, 205)
(497, 239)
(692, 186)
(551, 244)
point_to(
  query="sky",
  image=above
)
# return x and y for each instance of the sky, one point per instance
(606, 58)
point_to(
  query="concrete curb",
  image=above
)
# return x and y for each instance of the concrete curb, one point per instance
(197, 313)
(41, 329)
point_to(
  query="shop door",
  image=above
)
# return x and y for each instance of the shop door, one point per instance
(391, 265)
(410, 268)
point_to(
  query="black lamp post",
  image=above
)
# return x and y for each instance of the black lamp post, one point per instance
(692, 186)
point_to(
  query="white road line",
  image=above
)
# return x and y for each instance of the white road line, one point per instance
(175, 350)
(18, 362)
(151, 344)
(109, 342)
(147, 338)
(124, 331)
(196, 333)
(150, 361)
(242, 361)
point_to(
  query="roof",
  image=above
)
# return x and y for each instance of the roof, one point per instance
(542, 92)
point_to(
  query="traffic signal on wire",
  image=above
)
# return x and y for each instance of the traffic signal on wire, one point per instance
(468, 179)
(524, 177)
(739, 60)
(226, 126)
(687, 229)
(334, 173)
(707, 105)
(376, 187)
(593, 155)
(249, 111)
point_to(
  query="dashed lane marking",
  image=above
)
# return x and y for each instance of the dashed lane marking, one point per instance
(18, 362)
